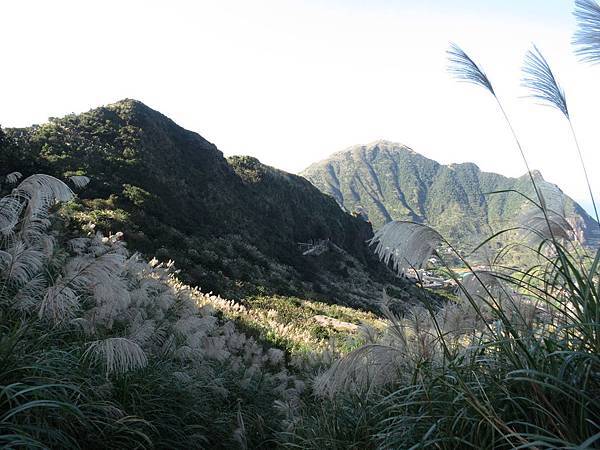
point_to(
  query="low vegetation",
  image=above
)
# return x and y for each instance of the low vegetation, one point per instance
(102, 349)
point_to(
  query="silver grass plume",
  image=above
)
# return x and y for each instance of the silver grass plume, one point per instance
(587, 36)
(79, 181)
(85, 272)
(549, 220)
(41, 192)
(5, 260)
(24, 263)
(463, 68)
(407, 244)
(548, 226)
(13, 177)
(47, 244)
(182, 377)
(45, 187)
(383, 358)
(118, 355)
(142, 331)
(10, 211)
(481, 285)
(494, 297)
(542, 83)
(112, 302)
(60, 304)
(189, 326)
(108, 409)
(33, 227)
(370, 366)
(86, 325)
(78, 245)
(31, 293)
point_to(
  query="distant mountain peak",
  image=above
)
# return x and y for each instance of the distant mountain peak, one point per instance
(370, 149)
(132, 108)
(386, 181)
(128, 103)
(383, 144)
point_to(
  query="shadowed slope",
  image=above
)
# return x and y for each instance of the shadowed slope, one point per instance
(232, 228)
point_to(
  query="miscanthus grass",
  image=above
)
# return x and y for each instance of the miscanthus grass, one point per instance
(101, 349)
(515, 361)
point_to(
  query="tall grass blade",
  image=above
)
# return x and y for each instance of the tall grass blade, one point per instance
(463, 68)
(540, 81)
(587, 36)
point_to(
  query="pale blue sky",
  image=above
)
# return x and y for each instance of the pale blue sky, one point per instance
(291, 82)
(533, 9)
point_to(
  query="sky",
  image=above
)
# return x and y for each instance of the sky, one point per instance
(291, 82)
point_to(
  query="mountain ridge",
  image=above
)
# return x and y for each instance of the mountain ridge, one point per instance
(386, 181)
(231, 225)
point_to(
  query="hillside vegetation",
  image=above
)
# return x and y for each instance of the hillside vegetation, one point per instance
(101, 349)
(233, 226)
(386, 181)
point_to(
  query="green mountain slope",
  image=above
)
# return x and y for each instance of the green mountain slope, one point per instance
(232, 227)
(387, 181)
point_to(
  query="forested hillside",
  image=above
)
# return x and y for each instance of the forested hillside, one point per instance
(233, 227)
(386, 181)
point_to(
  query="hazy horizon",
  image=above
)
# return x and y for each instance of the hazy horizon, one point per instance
(293, 82)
